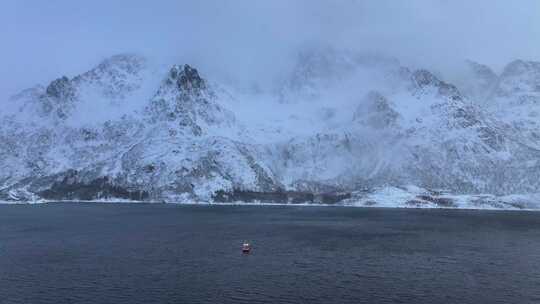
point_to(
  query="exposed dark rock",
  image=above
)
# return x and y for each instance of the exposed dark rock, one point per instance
(439, 201)
(186, 78)
(416, 203)
(60, 88)
(70, 188)
(423, 79)
(59, 98)
(250, 196)
(466, 118)
(314, 187)
(291, 197)
(370, 203)
(332, 198)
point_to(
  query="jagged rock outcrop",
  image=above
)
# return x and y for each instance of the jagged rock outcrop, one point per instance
(59, 98)
(185, 100)
(115, 77)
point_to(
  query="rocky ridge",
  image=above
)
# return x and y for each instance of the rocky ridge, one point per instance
(377, 124)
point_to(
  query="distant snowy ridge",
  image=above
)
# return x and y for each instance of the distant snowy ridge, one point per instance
(343, 124)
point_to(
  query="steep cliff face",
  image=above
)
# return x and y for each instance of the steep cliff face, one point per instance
(341, 123)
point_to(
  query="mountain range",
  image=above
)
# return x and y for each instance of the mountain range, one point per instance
(342, 128)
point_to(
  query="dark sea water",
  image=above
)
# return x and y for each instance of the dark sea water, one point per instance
(127, 253)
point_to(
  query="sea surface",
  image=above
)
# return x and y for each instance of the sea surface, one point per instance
(156, 253)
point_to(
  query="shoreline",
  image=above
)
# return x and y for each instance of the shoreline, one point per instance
(254, 204)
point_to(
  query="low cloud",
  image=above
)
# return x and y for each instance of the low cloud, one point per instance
(247, 42)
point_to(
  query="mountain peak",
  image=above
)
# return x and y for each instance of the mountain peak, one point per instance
(128, 62)
(520, 79)
(186, 78)
(519, 66)
(476, 81)
(481, 70)
(115, 68)
(423, 79)
(185, 98)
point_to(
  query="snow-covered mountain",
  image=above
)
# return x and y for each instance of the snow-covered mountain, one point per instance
(342, 125)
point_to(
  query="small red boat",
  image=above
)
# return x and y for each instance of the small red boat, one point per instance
(246, 248)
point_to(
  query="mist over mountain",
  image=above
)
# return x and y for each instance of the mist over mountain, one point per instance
(343, 123)
(256, 42)
(371, 108)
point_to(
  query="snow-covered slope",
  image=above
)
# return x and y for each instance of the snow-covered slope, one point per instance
(516, 101)
(342, 123)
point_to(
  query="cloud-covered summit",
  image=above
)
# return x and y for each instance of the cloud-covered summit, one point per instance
(255, 42)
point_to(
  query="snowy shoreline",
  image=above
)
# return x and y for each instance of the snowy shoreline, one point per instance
(408, 197)
(357, 204)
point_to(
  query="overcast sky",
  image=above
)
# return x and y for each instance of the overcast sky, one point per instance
(248, 39)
